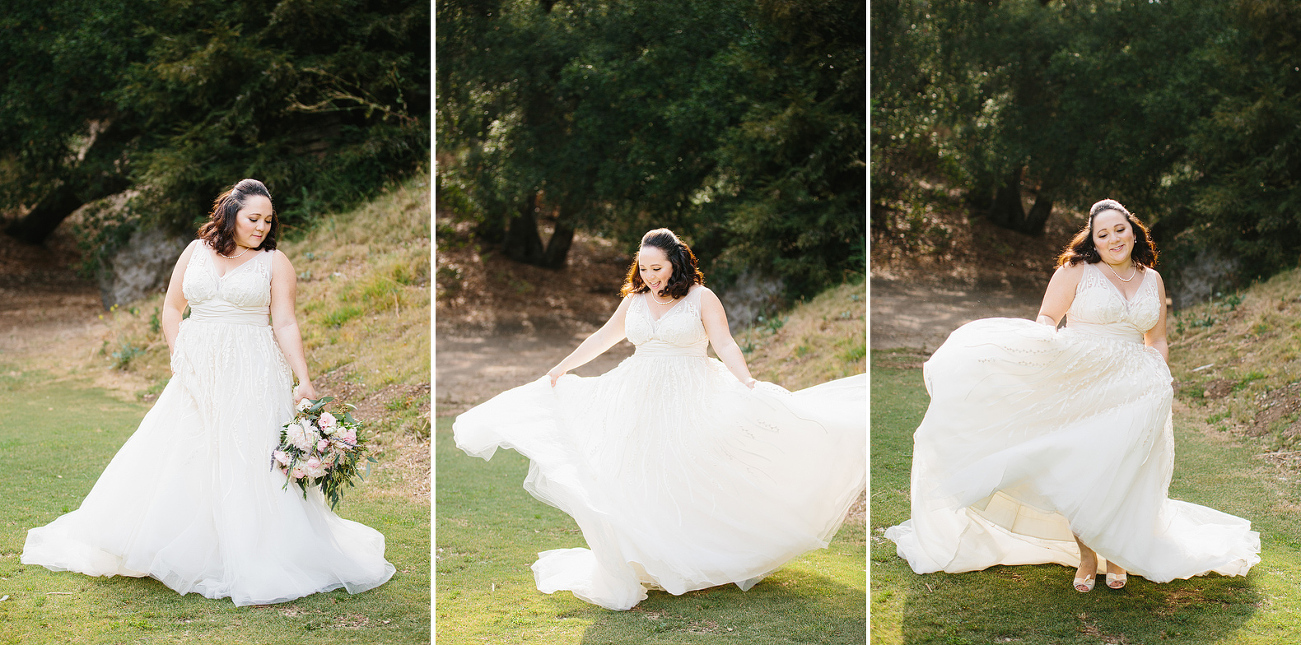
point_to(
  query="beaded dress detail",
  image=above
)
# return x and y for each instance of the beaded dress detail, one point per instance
(679, 476)
(191, 498)
(1033, 433)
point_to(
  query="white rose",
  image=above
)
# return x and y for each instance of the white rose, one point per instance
(303, 435)
(304, 404)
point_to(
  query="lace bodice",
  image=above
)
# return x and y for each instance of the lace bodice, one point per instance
(1101, 308)
(242, 296)
(678, 332)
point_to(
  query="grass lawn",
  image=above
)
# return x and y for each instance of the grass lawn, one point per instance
(490, 530)
(1036, 604)
(56, 436)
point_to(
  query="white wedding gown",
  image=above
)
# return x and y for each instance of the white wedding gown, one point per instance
(191, 498)
(1033, 433)
(679, 476)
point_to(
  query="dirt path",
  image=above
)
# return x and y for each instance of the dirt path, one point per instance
(43, 302)
(908, 314)
(473, 369)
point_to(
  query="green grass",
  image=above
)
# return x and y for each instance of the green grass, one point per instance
(490, 531)
(1035, 604)
(57, 436)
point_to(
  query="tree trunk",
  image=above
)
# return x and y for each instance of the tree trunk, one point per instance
(1037, 219)
(37, 225)
(558, 245)
(522, 243)
(1008, 212)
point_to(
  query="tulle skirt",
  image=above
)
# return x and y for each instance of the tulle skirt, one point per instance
(192, 501)
(679, 476)
(1033, 434)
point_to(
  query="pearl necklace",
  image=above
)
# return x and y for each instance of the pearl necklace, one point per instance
(657, 300)
(1131, 276)
(232, 257)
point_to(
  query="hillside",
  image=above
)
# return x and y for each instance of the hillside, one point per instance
(1237, 362)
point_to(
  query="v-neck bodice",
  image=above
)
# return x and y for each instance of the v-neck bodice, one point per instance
(678, 331)
(1100, 307)
(241, 296)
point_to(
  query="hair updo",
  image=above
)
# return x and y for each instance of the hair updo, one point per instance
(680, 258)
(1081, 248)
(219, 230)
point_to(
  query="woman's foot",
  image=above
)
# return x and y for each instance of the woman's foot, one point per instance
(1084, 575)
(1116, 577)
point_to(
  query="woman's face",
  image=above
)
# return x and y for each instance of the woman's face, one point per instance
(1113, 237)
(655, 268)
(253, 221)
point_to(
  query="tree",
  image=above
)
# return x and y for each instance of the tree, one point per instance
(739, 124)
(1240, 174)
(63, 144)
(324, 101)
(1060, 102)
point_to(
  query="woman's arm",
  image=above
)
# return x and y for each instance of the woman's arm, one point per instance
(174, 303)
(604, 338)
(284, 288)
(720, 337)
(1155, 337)
(1060, 294)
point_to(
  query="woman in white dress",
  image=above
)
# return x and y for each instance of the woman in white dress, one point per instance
(191, 498)
(682, 471)
(1045, 445)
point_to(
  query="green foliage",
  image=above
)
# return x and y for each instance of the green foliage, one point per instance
(125, 354)
(738, 124)
(1183, 110)
(323, 101)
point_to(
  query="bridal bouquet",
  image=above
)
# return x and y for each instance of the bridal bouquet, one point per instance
(318, 448)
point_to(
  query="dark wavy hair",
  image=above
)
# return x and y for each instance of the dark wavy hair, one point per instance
(680, 257)
(1081, 248)
(219, 230)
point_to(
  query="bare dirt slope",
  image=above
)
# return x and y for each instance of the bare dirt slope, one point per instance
(500, 324)
(945, 267)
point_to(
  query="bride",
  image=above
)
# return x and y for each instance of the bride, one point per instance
(1044, 445)
(682, 471)
(191, 499)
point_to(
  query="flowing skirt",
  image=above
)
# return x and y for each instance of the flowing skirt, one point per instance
(1034, 434)
(679, 476)
(192, 501)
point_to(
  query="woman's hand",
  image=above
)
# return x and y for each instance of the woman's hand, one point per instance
(304, 391)
(555, 374)
(750, 383)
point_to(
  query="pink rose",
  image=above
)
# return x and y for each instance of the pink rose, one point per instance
(282, 457)
(327, 422)
(350, 436)
(299, 473)
(315, 468)
(322, 445)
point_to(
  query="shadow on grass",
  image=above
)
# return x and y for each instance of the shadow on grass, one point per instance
(1036, 604)
(791, 606)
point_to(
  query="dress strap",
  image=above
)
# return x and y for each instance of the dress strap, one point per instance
(269, 260)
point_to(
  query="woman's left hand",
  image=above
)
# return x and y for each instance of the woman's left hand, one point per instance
(304, 391)
(751, 383)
